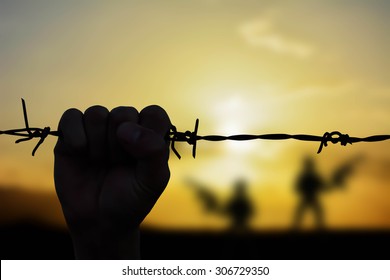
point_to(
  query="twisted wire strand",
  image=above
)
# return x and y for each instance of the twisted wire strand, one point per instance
(192, 137)
(334, 137)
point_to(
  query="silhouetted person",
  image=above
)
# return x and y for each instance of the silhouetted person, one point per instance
(110, 169)
(309, 185)
(239, 207)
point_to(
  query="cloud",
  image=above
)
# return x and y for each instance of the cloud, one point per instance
(262, 33)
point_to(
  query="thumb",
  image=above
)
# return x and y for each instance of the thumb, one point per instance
(151, 152)
(139, 142)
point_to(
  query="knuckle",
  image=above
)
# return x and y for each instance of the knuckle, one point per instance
(154, 111)
(123, 113)
(95, 117)
(96, 112)
(71, 113)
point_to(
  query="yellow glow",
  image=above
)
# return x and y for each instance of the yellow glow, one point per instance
(248, 67)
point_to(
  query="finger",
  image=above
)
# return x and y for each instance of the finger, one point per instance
(73, 139)
(154, 171)
(95, 122)
(118, 116)
(155, 118)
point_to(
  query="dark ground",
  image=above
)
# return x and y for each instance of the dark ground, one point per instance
(34, 242)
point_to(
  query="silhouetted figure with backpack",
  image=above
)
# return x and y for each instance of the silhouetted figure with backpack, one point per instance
(238, 208)
(309, 185)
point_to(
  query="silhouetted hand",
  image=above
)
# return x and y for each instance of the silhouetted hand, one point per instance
(110, 169)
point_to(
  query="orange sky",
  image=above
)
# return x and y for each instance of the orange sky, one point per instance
(241, 67)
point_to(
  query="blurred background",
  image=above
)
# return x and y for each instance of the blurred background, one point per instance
(250, 67)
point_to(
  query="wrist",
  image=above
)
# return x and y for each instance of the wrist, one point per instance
(105, 244)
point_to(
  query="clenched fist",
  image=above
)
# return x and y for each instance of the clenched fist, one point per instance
(110, 169)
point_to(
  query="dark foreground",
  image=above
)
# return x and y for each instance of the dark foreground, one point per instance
(33, 242)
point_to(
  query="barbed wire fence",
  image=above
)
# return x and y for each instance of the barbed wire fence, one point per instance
(191, 137)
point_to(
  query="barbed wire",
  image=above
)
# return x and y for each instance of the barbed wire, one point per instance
(334, 137)
(192, 137)
(29, 133)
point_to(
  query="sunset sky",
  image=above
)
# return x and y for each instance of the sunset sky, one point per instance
(239, 66)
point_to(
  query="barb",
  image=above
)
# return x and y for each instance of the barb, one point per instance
(29, 133)
(192, 137)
